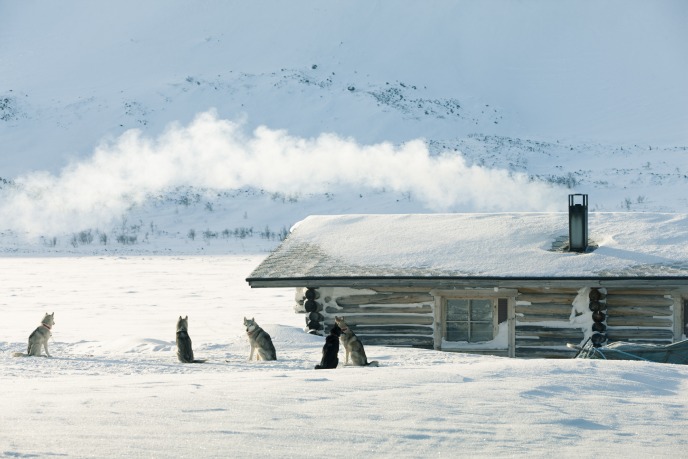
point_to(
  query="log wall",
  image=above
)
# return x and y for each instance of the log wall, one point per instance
(645, 316)
(544, 325)
(545, 319)
(382, 316)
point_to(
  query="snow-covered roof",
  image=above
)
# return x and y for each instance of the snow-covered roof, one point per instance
(504, 245)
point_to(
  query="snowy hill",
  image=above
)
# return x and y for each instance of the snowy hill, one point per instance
(107, 111)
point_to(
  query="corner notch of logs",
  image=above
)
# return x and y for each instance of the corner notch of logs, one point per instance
(598, 306)
(313, 307)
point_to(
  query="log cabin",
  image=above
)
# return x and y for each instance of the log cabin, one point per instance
(507, 284)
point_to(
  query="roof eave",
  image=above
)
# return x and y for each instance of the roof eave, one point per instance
(470, 281)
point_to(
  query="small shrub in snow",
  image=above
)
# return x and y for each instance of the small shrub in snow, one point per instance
(85, 237)
(239, 233)
(285, 198)
(267, 233)
(207, 234)
(49, 242)
(192, 234)
(8, 109)
(126, 239)
(627, 203)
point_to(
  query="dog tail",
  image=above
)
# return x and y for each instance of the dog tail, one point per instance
(318, 367)
(198, 361)
(374, 363)
(19, 354)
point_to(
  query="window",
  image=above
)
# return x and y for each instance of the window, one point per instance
(470, 320)
(475, 320)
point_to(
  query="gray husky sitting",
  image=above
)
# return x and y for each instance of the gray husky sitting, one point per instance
(353, 346)
(260, 341)
(184, 350)
(39, 338)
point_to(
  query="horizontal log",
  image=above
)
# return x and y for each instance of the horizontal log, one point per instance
(638, 300)
(392, 309)
(636, 321)
(406, 341)
(544, 308)
(496, 352)
(631, 291)
(630, 334)
(546, 291)
(545, 353)
(389, 319)
(393, 330)
(546, 332)
(552, 341)
(408, 290)
(661, 342)
(643, 311)
(384, 298)
(564, 319)
(559, 298)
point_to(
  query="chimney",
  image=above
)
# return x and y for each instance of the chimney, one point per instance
(578, 222)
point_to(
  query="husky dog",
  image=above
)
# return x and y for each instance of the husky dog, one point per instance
(353, 346)
(184, 350)
(39, 337)
(330, 350)
(260, 341)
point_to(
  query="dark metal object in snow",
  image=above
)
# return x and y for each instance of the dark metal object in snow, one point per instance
(661, 353)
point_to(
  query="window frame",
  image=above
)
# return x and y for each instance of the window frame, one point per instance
(680, 314)
(494, 294)
(469, 321)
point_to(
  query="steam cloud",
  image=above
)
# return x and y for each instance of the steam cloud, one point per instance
(218, 154)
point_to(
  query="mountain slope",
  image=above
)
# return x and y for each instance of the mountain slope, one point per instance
(523, 101)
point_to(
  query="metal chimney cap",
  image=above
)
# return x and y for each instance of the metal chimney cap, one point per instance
(578, 223)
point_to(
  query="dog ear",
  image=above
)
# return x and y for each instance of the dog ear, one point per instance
(186, 318)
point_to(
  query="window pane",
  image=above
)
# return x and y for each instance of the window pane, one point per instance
(457, 310)
(457, 331)
(481, 332)
(502, 310)
(481, 310)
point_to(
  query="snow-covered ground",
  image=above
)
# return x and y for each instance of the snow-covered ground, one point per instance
(151, 154)
(114, 387)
